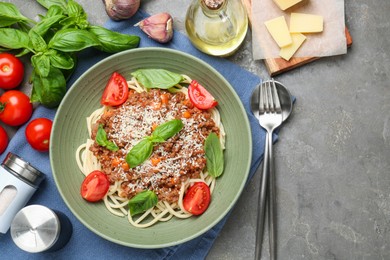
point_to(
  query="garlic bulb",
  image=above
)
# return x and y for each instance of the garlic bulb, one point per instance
(159, 27)
(121, 9)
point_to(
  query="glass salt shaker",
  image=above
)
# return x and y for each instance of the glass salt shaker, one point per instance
(18, 182)
(216, 27)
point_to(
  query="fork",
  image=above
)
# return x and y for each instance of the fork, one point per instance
(270, 118)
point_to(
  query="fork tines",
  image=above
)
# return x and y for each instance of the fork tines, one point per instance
(269, 98)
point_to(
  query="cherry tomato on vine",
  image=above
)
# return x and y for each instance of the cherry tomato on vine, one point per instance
(95, 186)
(38, 134)
(3, 140)
(11, 71)
(197, 198)
(15, 108)
(116, 91)
(200, 97)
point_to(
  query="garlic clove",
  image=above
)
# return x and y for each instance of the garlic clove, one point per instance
(159, 27)
(121, 9)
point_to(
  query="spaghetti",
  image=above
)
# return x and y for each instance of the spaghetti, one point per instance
(173, 166)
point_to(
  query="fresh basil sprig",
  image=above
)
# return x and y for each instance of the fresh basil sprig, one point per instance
(214, 155)
(142, 202)
(53, 42)
(157, 78)
(101, 139)
(142, 150)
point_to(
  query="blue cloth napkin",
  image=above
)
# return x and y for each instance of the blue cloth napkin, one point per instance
(85, 244)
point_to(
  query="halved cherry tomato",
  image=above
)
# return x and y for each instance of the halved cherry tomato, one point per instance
(38, 134)
(11, 71)
(3, 140)
(15, 108)
(116, 91)
(95, 186)
(200, 97)
(197, 198)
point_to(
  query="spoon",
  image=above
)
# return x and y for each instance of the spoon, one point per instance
(286, 105)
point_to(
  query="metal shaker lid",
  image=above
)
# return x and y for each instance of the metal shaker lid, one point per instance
(23, 170)
(35, 228)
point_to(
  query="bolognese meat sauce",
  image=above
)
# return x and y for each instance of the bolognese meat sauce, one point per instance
(172, 162)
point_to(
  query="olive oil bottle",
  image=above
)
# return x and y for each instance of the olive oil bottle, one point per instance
(216, 27)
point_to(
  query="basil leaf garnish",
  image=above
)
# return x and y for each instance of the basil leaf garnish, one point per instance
(139, 153)
(101, 139)
(157, 78)
(214, 155)
(142, 151)
(142, 202)
(70, 40)
(168, 129)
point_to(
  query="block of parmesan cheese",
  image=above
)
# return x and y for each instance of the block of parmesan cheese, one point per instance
(288, 51)
(278, 29)
(285, 4)
(306, 23)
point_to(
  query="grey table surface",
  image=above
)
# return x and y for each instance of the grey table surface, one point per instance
(333, 157)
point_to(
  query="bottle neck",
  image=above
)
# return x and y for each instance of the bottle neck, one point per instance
(213, 7)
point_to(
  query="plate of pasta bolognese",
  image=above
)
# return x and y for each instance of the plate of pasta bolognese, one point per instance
(153, 143)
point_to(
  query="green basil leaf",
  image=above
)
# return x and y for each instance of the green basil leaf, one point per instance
(157, 78)
(61, 60)
(214, 155)
(139, 153)
(49, 90)
(142, 202)
(101, 139)
(48, 3)
(54, 10)
(45, 24)
(10, 15)
(74, 9)
(37, 42)
(41, 64)
(70, 40)
(168, 129)
(13, 39)
(111, 41)
(155, 139)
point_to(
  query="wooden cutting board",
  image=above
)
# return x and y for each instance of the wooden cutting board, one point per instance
(276, 66)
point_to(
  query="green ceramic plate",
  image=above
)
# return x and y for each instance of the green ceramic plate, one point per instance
(69, 131)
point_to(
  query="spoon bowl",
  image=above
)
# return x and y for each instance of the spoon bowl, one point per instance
(284, 96)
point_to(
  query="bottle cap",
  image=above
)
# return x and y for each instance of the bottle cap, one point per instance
(37, 228)
(23, 170)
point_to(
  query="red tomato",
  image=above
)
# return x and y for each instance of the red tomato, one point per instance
(11, 71)
(15, 108)
(200, 97)
(38, 134)
(95, 186)
(197, 198)
(116, 91)
(3, 140)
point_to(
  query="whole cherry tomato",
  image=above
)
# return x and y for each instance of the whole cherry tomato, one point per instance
(95, 186)
(3, 140)
(11, 71)
(38, 134)
(116, 91)
(197, 198)
(15, 108)
(200, 97)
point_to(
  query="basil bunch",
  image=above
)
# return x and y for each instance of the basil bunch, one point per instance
(142, 150)
(53, 43)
